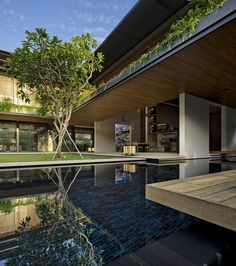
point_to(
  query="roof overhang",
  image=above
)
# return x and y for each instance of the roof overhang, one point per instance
(204, 66)
(30, 118)
(17, 117)
(147, 21)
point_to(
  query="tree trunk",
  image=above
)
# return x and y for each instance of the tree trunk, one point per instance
(59, 145)
(61, 124)
(61, 135)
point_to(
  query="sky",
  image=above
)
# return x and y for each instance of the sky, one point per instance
(63, 18)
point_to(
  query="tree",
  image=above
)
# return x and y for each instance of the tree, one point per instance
(56, 72)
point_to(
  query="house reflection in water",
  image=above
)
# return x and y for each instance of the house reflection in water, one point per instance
(24, 207)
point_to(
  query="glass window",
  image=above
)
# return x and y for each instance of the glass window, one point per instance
(33, 137)
(7, 136)
(84, 138)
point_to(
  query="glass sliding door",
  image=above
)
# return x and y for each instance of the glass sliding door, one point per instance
(27, 141)
(42, 138)
(33, 137)
(8, 136)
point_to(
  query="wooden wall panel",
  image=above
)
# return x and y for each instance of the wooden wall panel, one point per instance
(206, 68)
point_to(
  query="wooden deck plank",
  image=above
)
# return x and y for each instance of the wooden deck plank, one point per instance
(209, 190)
(198, 184)
(230, 202)
(222, 195)
(188, 179)
(209, 197)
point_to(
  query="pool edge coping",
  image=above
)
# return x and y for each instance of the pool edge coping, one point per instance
(69, 162)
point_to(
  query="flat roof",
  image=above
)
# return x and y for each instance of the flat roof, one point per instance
(144, 18)
(209, 197)
(5, 52)
(203, 65)
(206, 68)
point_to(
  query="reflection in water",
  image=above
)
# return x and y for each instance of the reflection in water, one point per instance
(78, 215)
(62, 235)
(13, 211)
(127, 221)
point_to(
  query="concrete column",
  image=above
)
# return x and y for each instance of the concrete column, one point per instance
(50, 143)
(228, 128)
(104, 138)
(231, 129)
(94, 136)
(146, 125)
(193, 126)
(223, 128)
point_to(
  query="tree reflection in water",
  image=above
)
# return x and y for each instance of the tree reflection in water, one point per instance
(62, 237)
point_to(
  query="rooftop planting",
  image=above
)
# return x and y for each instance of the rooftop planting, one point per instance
(6, 105)
(181, 30)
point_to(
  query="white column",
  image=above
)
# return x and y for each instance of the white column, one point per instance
(94, 136)
(104, 136)
(228, 129)
(182, 127)
(223, 128)
(193, 126)
(146, 125)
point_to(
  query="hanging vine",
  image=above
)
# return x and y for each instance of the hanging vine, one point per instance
(182, 29)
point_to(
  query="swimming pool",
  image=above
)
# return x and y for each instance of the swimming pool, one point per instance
(110, 199)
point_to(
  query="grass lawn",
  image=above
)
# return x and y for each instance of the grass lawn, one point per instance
(13, 158)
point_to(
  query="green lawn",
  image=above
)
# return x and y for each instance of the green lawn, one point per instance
(13, 158)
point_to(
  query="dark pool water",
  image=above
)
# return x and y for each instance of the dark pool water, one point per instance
(111, 197)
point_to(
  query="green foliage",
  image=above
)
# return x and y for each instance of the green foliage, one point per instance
(87, 143)
(182, 28)
(6, 206)
(24, 223)
(57, 73)
(61, 239)
(6, 105)
(46, 213)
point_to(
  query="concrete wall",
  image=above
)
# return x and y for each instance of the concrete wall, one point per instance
(104, 131)
(193, 126)
(9, 89)
(228, 128)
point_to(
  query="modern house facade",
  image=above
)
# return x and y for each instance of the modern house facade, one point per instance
(22, 128)
(178, 98)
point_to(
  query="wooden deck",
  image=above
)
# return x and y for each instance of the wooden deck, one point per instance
(209, 197)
